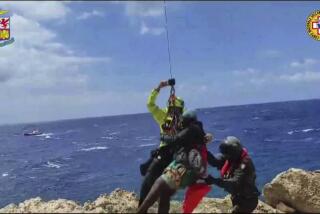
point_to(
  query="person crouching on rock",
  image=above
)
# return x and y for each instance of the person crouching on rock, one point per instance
(237, 175)
(188, 164)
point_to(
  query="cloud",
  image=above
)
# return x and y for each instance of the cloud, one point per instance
(151, 30)
(43, 107)
(248, 71)
(41, 78)
(307, 76)
(305, 63)
(270, 53)
(38, 10)
(36, 60)
(296, 72)
(87, 15)
(140, 13)
(144, 9)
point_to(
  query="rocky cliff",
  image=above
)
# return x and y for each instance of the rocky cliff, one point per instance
(295, 190)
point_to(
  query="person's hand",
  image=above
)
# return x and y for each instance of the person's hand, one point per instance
(210, 180)
(208, 138)
(162, 84)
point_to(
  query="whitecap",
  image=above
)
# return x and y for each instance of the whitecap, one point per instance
(52, 165)
(94, 148)
(145, 138)
(307, 130)
(304, 131)
(108, 137)
(45, 135)
(71, 131)
(5, 174)
(291, 132)
(114, 133)
(146, 145)
(255, 118)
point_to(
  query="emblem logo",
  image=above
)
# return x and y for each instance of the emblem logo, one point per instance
(5, 37)
(313, 25)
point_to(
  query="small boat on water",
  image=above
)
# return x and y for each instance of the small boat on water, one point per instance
(33, 133)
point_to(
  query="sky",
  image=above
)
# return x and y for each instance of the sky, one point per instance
(88, 59)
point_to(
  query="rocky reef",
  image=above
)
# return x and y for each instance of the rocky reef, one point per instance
(292, 191)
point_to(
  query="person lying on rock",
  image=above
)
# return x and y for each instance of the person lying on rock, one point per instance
(237, 175)
(188, 165)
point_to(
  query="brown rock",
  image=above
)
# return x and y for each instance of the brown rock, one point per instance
(295, 188)
(120, 201)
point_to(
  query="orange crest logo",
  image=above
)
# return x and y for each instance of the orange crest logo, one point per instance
(313, 25)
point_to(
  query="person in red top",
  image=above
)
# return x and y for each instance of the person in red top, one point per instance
(237, 175)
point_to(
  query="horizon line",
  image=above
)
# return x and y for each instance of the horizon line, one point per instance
(130, 114)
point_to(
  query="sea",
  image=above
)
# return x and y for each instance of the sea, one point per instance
(80, 159)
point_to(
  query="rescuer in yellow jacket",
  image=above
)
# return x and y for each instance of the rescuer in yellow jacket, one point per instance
(166, 119)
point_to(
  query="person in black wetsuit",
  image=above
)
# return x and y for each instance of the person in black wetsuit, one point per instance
(237, 175)
(187, 166)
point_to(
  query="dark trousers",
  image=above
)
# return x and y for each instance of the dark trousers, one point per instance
(154, 171)
(243, 204)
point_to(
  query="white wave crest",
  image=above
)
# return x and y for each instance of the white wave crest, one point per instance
(114, 133)
(5, 174)
(45, 135)
(94, 148)
(108, 137)
(52, 165)
(146, 138)
(146, 145)
(303, 130)
(307, 130)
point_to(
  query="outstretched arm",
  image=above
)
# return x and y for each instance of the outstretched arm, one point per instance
(231, 185)
(157, 113)
(215, 161)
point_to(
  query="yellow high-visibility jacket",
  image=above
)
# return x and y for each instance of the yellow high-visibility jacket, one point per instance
(159, 115)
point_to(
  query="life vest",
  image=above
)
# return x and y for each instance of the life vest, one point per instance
(227, 169)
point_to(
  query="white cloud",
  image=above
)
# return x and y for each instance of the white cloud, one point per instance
(41, 78)
(151, 30)
(270, 53)
(140, 13)
(86, 15)
(38, 10)
(306, 63)
(144, 9)
(24, 107)
(248, 71)
(307, 76)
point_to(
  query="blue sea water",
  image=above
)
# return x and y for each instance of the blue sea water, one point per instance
(81, 159)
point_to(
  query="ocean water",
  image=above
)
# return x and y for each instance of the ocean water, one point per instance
(81, 159)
